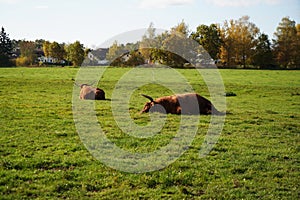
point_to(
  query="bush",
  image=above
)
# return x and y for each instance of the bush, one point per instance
(230, 94)
(23, 61)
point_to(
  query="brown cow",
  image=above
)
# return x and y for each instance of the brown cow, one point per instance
(188, 104)
(92, 93)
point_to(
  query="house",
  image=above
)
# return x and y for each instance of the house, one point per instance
(51, 61)
(98, 56)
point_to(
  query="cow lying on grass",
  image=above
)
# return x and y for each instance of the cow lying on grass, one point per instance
(188, 104)
(91, 93)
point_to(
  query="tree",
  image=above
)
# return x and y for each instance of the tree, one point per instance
(114, 53)
(177, 46)
(56, 51)
(297, 47)
(157, 54)
(46, 48)
(28, 55)
(246, 35)
(240, 37)
(286, 44)
(173, 48)
(75, 53)
(148, 43)
(87, 51)
(263, 55)
(5, 48)
(39, 43)
(209, 37)
(135, 59)
(227, 48)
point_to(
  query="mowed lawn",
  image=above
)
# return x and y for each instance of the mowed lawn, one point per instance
(257, 155)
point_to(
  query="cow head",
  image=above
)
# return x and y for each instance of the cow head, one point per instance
(82, 85)
(147, 105)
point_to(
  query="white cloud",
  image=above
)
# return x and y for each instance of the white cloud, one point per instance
(163, 3)
(242, 3)
(41, 7)
(10, 1)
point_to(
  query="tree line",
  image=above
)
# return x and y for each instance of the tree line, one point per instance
(235, 44)
(39, 52)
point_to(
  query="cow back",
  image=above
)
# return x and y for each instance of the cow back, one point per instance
(99, 94)
(170, 104)
(188, 103)
(88, 92)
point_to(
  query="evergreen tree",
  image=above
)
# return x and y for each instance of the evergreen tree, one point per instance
(263, 56)
(6, 48)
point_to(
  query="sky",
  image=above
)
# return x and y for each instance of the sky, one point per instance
(92, 22)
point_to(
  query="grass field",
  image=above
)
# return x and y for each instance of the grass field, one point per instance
(257, 155)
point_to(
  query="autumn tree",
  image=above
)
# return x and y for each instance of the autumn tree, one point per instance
(286, 43)
(148, 43)
(28, 55)
(246, 35)
(114, 53)
(240, 37)
(173, 48)
(75, 53)
(177, 46)
(46, 48)
(228, 46)
(297, 48)
(5, 48)
(157, 53)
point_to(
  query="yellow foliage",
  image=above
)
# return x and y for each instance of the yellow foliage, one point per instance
(23, 61)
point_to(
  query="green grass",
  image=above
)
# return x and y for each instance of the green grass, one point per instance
(257, 155)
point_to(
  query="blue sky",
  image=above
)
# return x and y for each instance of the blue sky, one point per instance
(94, 21)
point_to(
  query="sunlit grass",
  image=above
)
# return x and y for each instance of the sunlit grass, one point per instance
(42, 156)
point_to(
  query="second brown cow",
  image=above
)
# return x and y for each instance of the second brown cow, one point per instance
(188, 104)
(91, 93)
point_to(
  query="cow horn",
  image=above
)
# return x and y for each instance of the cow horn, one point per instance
(148, 97)
(92, 83)
(77, 84)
